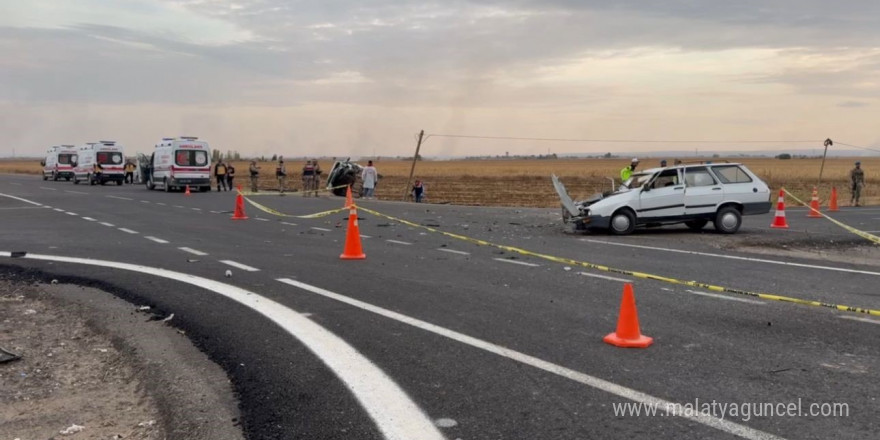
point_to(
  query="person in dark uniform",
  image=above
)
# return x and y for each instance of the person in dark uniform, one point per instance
(230, 175)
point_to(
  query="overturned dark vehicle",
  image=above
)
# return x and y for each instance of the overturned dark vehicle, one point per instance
(343, 174)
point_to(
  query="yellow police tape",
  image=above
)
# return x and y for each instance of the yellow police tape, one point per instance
(269, 210)
(766, 296)
(873, 238)
(298, 192)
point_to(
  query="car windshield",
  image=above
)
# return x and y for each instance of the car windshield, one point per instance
(637, 180)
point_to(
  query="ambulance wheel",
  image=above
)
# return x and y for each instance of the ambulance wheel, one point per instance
(150, 185)
(167, 187)
(45, 177)
(67, 178)
(118, 183)
(75, 180)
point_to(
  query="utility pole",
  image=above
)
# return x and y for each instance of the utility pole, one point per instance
(828, 143)
(413, 168)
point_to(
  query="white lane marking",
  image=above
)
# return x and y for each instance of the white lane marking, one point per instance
(157, 240)
(604, 277)
(405, 243)
(75, 192)
(108, 224)
(21, 199)
(193, 251)
(58, 209)
(128, 230)
(521, 263)
(729, 298)
(47, 206)
(583, 378)
(120, 198)
(240, 266)
(49, 189)
(734, 257)
(178, 206)
(145, 201)
(365, 236)
(215, 212)
(89, 219)
(320, 229)
(285, 223)
(856, 318)
(392, 410)
(453, 251)
(71, 213)
(261, 219)
(196, 209)
(161, 204)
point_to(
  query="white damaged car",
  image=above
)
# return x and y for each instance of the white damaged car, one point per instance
(695, 195)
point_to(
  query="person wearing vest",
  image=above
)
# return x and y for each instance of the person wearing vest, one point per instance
(230, 175)
(308, 176)
(626, 173)
(96, 172)
(220, 175)
(418, 191)
(281, 174)
(129, 172)
(255, 175)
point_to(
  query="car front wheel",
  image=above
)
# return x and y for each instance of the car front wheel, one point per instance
(623, 222)
(728, 220)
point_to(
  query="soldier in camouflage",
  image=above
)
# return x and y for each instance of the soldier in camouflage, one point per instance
(857, 176)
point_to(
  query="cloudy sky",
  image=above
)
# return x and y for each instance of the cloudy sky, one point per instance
(346, 77)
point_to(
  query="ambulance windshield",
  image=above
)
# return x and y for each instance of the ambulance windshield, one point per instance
(109, 158)
(64, 159)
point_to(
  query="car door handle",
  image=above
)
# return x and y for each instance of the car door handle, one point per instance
(716, 189)
(678, 188)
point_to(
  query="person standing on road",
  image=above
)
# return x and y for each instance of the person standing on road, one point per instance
(230, 175)
(220, 174)
(255, 175)
(627, 171)
(129, 172)
(317, 181)
(281, 174)
(308, 177)
(418, 191)
(370, 176)
(857, 177)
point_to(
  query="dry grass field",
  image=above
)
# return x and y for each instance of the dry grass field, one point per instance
(527, 182)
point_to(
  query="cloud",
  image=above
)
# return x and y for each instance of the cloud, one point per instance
(853, 104)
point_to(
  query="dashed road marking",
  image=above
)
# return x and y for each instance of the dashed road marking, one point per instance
(178, 206)
(161, 204)
(604, 277)
(71, 213)
(521, 263)
(49, 189)
(145, 201)
(21, 199)
(239, 265)
(365, 236)
(734, 257)
(120, 198)
(856, 318)
(729, 298)
(261, 219)
(576, 376)
(108, 224)
(157, 240)
(128, 230)
(453, 251)
(193, 251)
(285, 223)
(58, 209)
(89, 219)
(321, 229)
(400, 242)
(13, 183)
(196, 209)
(75, 192)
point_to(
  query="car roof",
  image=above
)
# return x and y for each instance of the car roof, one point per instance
(686, 165)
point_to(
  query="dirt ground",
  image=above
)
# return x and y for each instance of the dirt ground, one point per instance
(88, 370)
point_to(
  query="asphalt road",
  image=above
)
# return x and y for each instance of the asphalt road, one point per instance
(487, 344)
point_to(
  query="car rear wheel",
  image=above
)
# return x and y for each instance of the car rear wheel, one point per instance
(696, 225)
(728, 220)
(623, 222)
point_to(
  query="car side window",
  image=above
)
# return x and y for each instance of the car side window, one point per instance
(698, 176)
(731, 174)
(666, 178)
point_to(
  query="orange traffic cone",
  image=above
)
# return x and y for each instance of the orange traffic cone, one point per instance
(348, 199)
(187, 191)
(832, 205)
(814, 205)
(239, 208)
(779, 221)
(628, 333)
(353, 249)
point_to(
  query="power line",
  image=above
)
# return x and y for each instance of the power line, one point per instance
(856, 146)
(680, 141)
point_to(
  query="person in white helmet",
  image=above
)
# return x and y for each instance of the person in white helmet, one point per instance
(627, 171)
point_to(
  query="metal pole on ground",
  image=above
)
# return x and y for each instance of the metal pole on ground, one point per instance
(413, 168)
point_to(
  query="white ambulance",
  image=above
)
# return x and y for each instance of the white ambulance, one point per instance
(100, 162)
(177, 163)
(59, 162)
